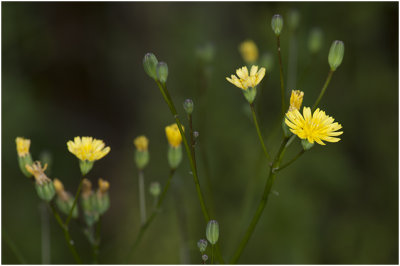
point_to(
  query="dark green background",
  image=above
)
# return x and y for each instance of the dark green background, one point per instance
(75, 69)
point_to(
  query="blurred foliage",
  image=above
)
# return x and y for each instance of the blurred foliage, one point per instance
(75, 69)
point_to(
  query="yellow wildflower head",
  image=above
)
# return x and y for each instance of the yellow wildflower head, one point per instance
(37, 171)
(103, 186)
(296, 99)
(22, 146)
(244, 81)
(317, 127)
(173, 135)
(249, 51)
(88, 148)
(141, 143)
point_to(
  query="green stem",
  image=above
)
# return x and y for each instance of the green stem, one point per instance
(283, 95)
(74, 204)
(168, 100)
(142, 197)
(263, 202)
(96, 244)
(259, 132)
(328, 79)
(192, 140)
(45, 229)
(290, 162)
(68, 239)
(13, 248)
(212, 254)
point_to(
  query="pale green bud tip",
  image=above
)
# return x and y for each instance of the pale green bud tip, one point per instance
(336, 54)
(315, 40)
(155, 189)
(212, 232)
(142, 158)
(202, 245)
(150, 64)
(277, 24)
(188, 106)
(174, 156)
(306, 145)
(162, 72)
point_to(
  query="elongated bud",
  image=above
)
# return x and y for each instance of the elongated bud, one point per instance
(202, 245)
(155, 189)
(24, 157)
(277, 24)
(188, 106)
(150, 65)
(162, 72)
(142, 155)
(45, 190)
(306, 145)
(336, 53)
(174, 156)
(315, 40)
(212, 232)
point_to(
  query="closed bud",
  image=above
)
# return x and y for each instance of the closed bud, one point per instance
(212, 232)
(85, 166)
(315, 40)
(174, 156)
(188, 106)
(150, 65)
(202, 245)
(45, 190)
(306, 145)
(24, 157)
(204, 257)
(162, 72)
(141, 159)
(277, 24)
(155, 189)
(336, 53)
(23, 161)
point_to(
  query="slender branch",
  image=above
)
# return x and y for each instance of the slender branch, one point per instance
(45, 229)
(96, 244)
(142, 197)
(259, 132)
(192, 140)
(74, 204)
(328, 79)
(263, 202)
(13, 248)
(283, 94)
(290, 162)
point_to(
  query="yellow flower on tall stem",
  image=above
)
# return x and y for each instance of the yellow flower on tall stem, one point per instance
(317, 127)
(174, 138)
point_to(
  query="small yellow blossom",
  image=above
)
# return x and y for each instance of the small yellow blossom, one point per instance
(37, 171)
(22, 146)
(141, 143)
(249, 51)
(244, 81)
(296, 99)
(88, 148)
(173, 135)
(317, 127)
(103, 186)
(59, 187)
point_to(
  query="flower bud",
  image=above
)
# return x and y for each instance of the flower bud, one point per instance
(162, 72)
(24, 157)
(174, 156)
(315, 40)
(155, 189)
(336, 53)
(150, 64)
(277, 24)
(142, 155)
(212, 232)
(103, 200)
(188, 106)
(306, 145)
(202, 245)
(45, 190)
(204, 257)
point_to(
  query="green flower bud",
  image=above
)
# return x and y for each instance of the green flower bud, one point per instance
(267, 61)
(150, 64)
(306, 145)
(250, 94)
(294, 19)
(90, 206)
(174, 156)
(162, 72)
(141, 158)
(155, 189)
(188, 106)
(286, 131)
(277, 24)
(212, 232)
(66, 205)
(336, 53)
(315, 40)
(103, 203)
(25, 160)
(45, 191)
(202, 245)
(85, 166)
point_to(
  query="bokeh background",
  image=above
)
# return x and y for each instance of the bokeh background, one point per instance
(75, 69)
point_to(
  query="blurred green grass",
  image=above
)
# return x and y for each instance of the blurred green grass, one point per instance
(74, 69)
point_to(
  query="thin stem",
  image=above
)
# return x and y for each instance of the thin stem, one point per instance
(45, 233)
(263, 202)
(13, 248)
(96, 244)
(168, 100)
(212, 254)
(283, 94)
(259, 132)
(68, 239)
(192, 140)
(328, 79)
(290, 162)
(142, 197)
(74, 204)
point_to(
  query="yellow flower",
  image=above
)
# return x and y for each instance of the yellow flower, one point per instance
(244, 81)
(141, 143)
(22, 146)
(316, 127)
(173, 135)
(88, 148)
(37, 171)
(296, 99)
(249, 51)
(103, 186)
